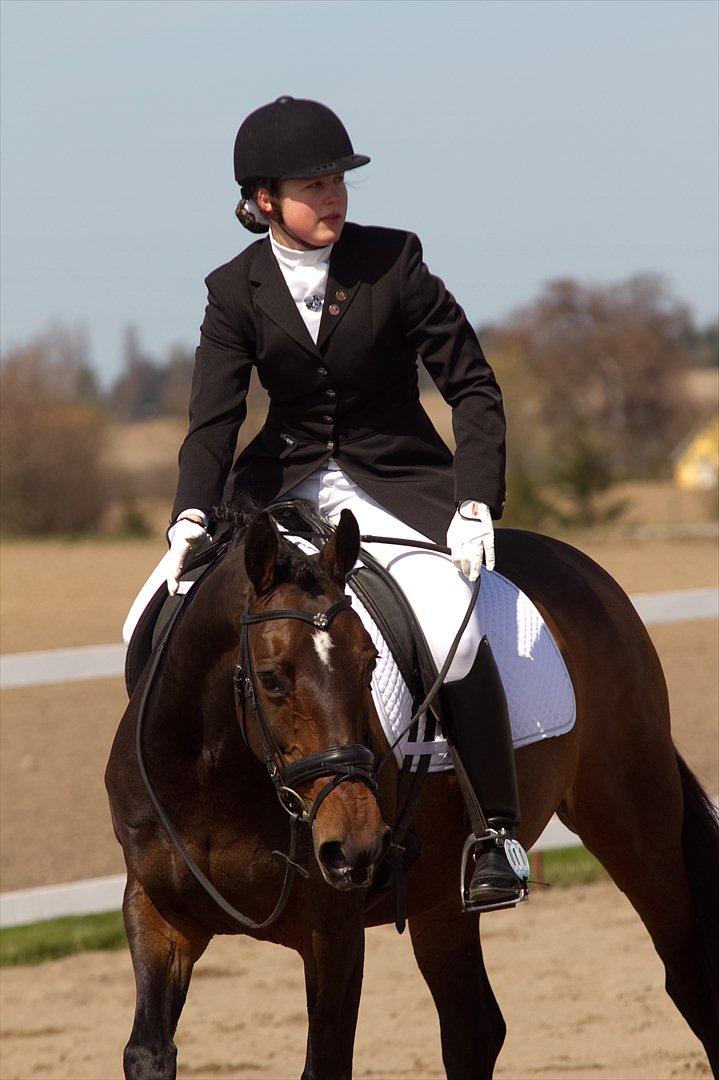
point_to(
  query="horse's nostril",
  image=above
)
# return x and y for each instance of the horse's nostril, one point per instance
(332, 855)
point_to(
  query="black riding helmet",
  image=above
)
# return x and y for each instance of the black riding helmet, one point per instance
(290, 138)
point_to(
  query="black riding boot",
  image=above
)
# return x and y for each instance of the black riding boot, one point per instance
(476, 721)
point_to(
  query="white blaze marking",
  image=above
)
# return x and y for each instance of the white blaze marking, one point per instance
(323, 644)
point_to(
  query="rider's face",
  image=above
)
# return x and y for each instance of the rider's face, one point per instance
(313, 210)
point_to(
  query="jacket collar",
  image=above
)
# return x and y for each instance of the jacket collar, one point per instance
(273, 296)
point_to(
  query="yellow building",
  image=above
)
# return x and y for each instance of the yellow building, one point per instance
(696, 460)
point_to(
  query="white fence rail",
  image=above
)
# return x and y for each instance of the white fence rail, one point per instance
(53, 901)
(61, 665)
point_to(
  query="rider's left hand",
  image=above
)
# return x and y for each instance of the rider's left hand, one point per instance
(470, 538)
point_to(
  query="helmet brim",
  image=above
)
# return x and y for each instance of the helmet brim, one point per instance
(345, 164)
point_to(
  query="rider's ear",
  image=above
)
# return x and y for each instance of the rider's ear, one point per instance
(339, 554)
(261, 554)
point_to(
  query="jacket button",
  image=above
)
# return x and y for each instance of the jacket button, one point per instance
(331, 393)
(330, 445)
(327, 419)
(321, 370)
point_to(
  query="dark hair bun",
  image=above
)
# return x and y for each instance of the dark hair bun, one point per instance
(246, 216)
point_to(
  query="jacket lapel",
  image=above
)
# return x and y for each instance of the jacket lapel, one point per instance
(274, 298)
(343, 281)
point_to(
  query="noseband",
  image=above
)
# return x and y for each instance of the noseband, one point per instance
(343, 763)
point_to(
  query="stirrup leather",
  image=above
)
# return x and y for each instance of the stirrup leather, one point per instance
(516, 857)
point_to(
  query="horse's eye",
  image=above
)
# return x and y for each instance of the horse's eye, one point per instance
(270, 682)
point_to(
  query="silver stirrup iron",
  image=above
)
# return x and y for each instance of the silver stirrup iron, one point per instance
(517, 859)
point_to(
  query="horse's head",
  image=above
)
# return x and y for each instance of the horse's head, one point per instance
(310, 681)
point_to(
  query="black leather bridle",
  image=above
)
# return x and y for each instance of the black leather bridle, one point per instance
(354, 762)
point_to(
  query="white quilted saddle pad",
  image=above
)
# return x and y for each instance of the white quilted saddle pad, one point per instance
(540, 696)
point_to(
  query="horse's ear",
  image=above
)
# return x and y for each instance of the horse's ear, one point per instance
(261, 554)
(339, 554)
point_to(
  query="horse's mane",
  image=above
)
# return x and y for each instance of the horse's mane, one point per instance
(239, 514)
(292, 564)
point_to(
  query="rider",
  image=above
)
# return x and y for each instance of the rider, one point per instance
(332, 315)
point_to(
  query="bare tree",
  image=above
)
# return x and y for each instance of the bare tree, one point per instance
(607, 359)
(177, 378)
(136, 393)
(52, 434)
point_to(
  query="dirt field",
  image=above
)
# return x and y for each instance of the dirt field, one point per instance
(576, 976)
(575, 972)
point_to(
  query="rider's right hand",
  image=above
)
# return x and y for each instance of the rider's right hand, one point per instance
(185, 536)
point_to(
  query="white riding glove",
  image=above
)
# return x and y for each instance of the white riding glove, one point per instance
(185, 536)
(470, 537)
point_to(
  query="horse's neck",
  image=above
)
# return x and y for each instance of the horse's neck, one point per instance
(195, 692)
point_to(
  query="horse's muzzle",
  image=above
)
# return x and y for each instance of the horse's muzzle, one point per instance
(346, 864)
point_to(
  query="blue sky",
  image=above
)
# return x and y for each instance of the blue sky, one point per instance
(521, 140)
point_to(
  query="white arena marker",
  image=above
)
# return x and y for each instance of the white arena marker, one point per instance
(677, 606)
(88, 897)
(62, 665)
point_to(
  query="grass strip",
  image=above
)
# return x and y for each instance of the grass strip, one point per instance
(53, 938)
(569, 866)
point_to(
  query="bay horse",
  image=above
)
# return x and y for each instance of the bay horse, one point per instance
(615, 779)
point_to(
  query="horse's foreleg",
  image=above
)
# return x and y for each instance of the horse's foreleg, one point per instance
(163, 957)
(334, 964)
(449, 953)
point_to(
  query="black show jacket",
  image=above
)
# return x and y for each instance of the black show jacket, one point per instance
(354, 395)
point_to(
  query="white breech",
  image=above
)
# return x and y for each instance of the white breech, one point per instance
(438, 593)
